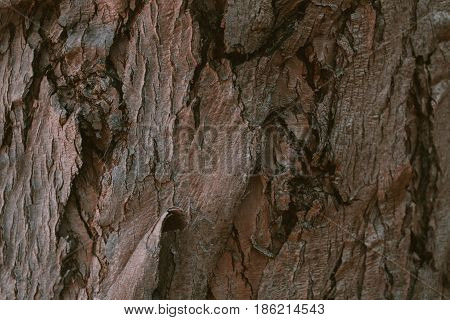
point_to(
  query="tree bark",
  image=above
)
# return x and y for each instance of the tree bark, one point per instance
(224, 149)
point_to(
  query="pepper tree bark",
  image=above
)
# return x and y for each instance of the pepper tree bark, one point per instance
(224, 149)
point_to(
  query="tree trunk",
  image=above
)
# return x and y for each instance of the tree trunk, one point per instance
(224, 149)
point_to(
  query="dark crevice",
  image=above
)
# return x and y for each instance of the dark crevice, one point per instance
(7, 131)
(88, 177)
(274, 40)
(304, 55)
(235, 237)
(331, 291)
(209, 16)
(72, 279)
(210, 294)
(289, 220)
(166, 266)
(390, 282)
(196, 112)
(173, 222)
(132, 14)
(380, 22)
(426, 169)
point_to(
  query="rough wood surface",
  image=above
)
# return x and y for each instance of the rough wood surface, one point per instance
(224, 149)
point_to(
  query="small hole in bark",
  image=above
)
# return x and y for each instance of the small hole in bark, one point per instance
(174, 221)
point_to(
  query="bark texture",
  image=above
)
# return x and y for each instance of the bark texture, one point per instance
(224, 149)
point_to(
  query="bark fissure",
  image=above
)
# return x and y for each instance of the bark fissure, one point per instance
(251, 149)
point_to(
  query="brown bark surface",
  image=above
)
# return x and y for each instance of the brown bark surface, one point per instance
(224, 149)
